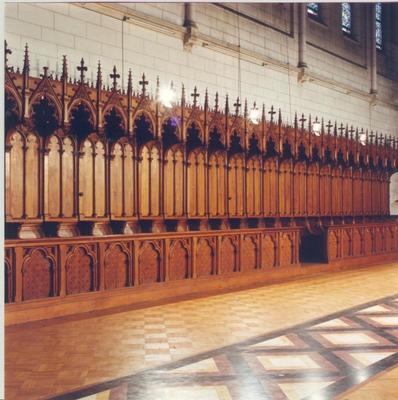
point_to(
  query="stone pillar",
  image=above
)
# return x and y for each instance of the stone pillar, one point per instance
(190, 26)
(302, 36)
(372, 48)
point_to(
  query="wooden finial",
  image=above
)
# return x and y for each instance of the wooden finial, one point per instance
(114, 77)
(245, 109)
(216, 103)
(26, 66)
(329, 126)
(302, 120)
(157, 88)
(206, 99)
(195, 96)
(82, 69)
(237, 105)
(279, 117)
(226, 105)
(7, 51)
(295, 120)
(143, 84)
(99, 76)
(130, 83)
(64, 75)
(272, 112)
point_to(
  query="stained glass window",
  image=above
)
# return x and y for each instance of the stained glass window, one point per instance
(313, 9)
(346, 18)
(379, 26)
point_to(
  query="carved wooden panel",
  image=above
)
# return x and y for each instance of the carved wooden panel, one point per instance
(268, 256)
(86, 180)
(117, 267)
(229, 256)
(236, 186)
(38, 275)
(270, 179)
(367, 193)
(356, 242)
(68, 178)
(149, 264)
(149, 181)
(9, 276)
(80, 274)
(116, 180)
(100, 180)
(53, 178)
(347, 192)
(204, 258)
(15, 175)
(285, 188)
(253, 187)
(333, 245)
(325, 192)
(312, 191)
(217, 184)
(32, 185)
(129, 182)
(285, 249)
(346, 243)
(299, 191)
(357, 189)
(378, 240)
(368, 241)
(388, 239)
(337, 191)
(179, 261)
(249, 256)
(174, 183)
(196, 188)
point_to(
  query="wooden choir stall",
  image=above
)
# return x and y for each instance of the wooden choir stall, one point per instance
(112, 198)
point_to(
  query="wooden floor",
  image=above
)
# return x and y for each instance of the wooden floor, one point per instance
(49, 358)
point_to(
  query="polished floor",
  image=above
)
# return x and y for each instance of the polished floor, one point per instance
(265, 339)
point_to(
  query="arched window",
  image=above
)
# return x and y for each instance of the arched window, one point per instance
(313, 9)
(379, 26)
(346, 18)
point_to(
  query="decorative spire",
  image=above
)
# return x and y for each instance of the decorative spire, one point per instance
(195, 96)
(279, 117)
(310, 123)
(335, 128)
(216, 103)
(322, 126)
(45, 72)
(114, 77)
(206, 99)
(329, 126)
(182, 94)
(99, 76)
(157, 88)
(351, 131)
(341, 129)
(82, 69)
(143, 84)
(130, 84)
(245, 109)
(64, 75)
(295, 120)
(226, 105)
(302, 120)
(263, 113)
(26, 60)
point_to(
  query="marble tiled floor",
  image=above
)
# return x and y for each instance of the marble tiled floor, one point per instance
(43, 360)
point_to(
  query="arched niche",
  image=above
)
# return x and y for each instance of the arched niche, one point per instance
(337, 190)
(170, 132)
(217, 184)
(325, 190)
(12, 111)
(174, 182)
(236, 184)
(270, 187)
(347, 191)
(81, 119)
(235, 143)
(249, 254)
(299, 188)
(197, 183)
(81, 275)
(216, 139)
(45, 115)
(149, 267)
(285, 188)
(229, 256)
(117, 271)
(253, 186)
(38, 275)
(149, 180)
(268, 256)
(194, 136)
(143, 129)
(205, 256)
(122, 180)
(114, 124)
(313, 189)
(179, 261)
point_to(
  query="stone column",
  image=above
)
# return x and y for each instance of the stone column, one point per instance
(190, 26)
(372, 48)
(302, 36)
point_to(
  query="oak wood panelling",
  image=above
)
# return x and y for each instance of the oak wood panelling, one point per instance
(117, 267)
(299, 189)
(271, 191)
(337, 191)
(180, 260)
(174, 187)
(32, 176)
(229, 255)
(197, 184)
(346, 241)
(205, 256)
(367, 192)
(236, 185)
(285, 187)
(347, 192)
(312, 190)
(357, 192)
(217, 184)
(150, 180)
(269, 251)
(150, 263)
(249, 256)
(325, 192)
(254, 187)
(86, 180)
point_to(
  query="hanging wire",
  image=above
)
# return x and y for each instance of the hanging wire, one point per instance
(288, 63)
(239, 57)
